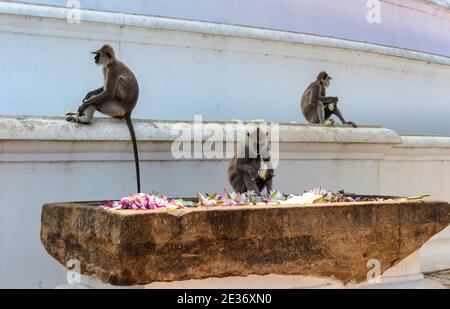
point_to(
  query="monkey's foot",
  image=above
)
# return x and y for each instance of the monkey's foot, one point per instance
(72, 117)
(351, 123)
(329, 122)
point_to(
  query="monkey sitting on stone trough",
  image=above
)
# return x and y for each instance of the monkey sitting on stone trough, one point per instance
(244, 172)
(117, 98)
(317, 107)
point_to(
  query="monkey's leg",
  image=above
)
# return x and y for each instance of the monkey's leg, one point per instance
(88, 115)
(310, 113)
(329, 100)
(92, 93)
(250, 183)
(238, 185)
(338, 113)
(321, 112)
(113, 109)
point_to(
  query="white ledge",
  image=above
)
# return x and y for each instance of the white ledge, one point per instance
(443, 3)
(425, 142)
(162, 23)
(35, 128)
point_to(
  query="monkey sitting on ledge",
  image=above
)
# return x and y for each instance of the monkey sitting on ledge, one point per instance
(117, 98)
(317, 107)
(244, 173)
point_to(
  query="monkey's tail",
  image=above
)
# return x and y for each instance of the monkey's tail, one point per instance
(135, 150)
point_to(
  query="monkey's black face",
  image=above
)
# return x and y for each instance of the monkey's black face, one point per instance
(97, 58)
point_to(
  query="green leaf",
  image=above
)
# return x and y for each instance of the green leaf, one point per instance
(201, 198)
(420, 197)
(213, 197)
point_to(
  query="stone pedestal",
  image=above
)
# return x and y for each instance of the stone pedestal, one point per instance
(342, 244)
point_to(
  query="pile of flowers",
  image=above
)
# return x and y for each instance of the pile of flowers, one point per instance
(314, 196)
(156, 201)
(144, 201)
(239, 199)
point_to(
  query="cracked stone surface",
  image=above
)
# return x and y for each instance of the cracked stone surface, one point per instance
(128, 248)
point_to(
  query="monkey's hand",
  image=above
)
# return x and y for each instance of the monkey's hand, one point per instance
(72, 117)
(88, 96)
(260, 181)
(329, 100)
(268, 175)
(331, 107)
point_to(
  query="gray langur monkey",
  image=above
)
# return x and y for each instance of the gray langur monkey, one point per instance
(244, 170)
(117, 98)
(317, 107)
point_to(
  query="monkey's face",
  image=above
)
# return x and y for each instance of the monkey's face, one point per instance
(97, 58)
(259, 143)
(326, 81)
(102, 58)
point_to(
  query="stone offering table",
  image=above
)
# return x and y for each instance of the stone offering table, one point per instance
(126, 248)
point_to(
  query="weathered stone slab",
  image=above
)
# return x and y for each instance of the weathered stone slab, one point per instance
(139, 247)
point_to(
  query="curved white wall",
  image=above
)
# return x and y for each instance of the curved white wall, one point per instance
(223, 72)
(413, 24)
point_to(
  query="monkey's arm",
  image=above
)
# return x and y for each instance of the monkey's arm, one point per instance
(315, 94)
(265, 181)
(247, 169)
(73, 116)
(261, 183)
(106, 95)
(311, 104)
(329, 100)
(92, 93)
